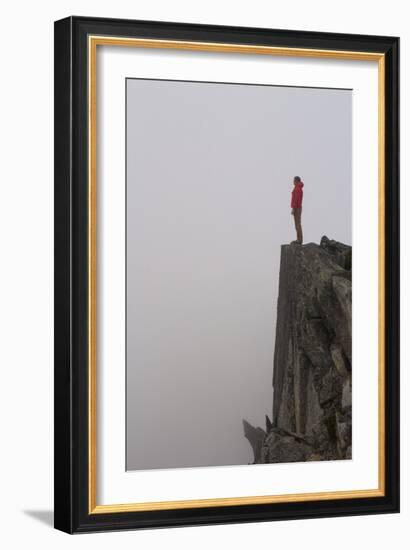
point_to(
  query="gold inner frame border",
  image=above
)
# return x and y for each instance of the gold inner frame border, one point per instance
(95, 41)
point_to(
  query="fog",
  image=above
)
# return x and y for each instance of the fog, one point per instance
(209, 176)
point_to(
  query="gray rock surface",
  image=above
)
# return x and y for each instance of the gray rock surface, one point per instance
(312, 404)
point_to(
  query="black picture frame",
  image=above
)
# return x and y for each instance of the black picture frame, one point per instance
(71, 418)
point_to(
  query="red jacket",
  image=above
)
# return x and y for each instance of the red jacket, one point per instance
(297, 196)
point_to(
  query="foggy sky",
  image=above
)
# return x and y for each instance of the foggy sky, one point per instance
(209, 177)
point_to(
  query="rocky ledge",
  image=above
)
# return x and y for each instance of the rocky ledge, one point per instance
(312, 405)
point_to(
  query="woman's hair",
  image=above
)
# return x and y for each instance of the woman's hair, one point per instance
(297, 178)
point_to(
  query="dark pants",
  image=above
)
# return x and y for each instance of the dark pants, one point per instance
(297, 214)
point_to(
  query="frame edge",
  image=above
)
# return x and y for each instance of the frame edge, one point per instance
(63, 494)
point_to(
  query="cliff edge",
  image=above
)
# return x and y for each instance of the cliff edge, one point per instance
(312, 406)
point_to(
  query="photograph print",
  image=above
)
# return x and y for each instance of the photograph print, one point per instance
(238, 274)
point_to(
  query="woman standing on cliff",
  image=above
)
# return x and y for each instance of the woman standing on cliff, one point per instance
(296, 205)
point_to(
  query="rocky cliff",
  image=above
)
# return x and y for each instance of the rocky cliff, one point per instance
(312, 407)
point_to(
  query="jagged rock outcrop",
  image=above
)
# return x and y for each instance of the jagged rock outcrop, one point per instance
(256, 438)
(312, 406)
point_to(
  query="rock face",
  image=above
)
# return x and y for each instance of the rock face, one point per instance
(312, 406)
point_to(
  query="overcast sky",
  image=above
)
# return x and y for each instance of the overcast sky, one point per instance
(209, 176)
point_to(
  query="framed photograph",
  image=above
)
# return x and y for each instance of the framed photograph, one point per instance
(226, 274)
